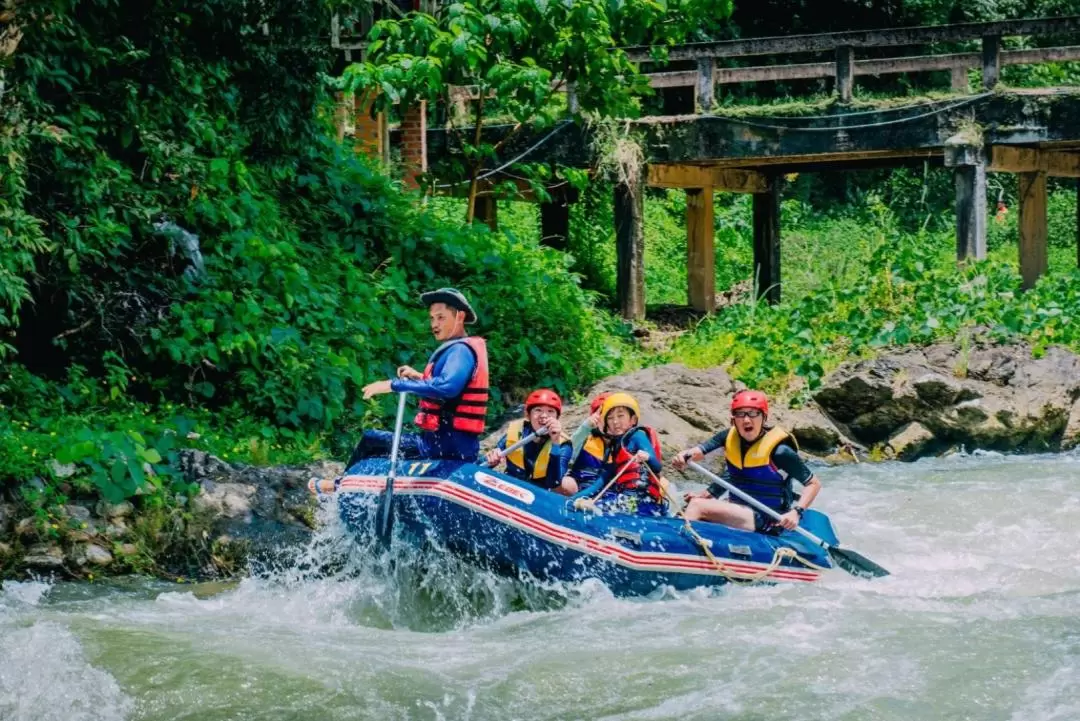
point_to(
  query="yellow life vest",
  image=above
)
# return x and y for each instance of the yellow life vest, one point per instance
(758, 454)
(517, 457)
(595, 447)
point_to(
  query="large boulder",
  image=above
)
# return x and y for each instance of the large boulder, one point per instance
(991, 397)
(265, 507)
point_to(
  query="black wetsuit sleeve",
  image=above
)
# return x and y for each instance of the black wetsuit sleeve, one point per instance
(787, 460)
(715, 442)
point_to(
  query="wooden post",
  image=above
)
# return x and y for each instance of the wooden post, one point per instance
(1033, 259)
(969, 173)
(991, 60)
(958, 80)
(706, 85)
(487, 210)
(630, 248)
(555, 223)
(700, 252)
(845, 73)
(767, 242)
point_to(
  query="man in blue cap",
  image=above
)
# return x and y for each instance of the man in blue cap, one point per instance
(453, 389)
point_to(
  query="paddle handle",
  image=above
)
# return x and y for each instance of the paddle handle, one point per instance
(386, 500)
(503, 453)
(753, 502)
(396, 445)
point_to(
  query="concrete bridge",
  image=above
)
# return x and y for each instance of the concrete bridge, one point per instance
(1034, 133)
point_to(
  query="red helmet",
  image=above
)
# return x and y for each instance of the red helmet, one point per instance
(595, 404)
(750, 399)
(544, 397)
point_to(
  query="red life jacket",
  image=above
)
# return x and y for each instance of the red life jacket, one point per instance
(629, 479)
(467, 411)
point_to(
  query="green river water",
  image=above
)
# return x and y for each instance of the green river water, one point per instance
(980, 620)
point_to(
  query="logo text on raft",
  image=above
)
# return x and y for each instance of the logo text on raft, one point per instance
(509, 489)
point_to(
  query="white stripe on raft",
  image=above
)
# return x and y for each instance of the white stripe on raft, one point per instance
(657, 562)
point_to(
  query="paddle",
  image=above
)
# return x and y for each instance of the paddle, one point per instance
(384, 516)
(503, 453)
(849, 560)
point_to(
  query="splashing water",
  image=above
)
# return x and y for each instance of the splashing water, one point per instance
(980, 620)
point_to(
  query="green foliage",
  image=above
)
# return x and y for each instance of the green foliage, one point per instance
(196, 263)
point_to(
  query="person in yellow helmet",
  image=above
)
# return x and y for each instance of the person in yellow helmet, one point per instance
(630, 478)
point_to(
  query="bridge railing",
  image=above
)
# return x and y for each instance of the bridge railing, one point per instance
(844, 68)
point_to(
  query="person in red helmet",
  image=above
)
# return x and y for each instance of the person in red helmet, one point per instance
(544, 461)
(761, 460)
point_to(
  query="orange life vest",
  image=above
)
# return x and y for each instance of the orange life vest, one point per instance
(467, 411)
(629, 479)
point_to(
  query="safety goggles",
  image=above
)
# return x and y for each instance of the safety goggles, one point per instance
(746, 413)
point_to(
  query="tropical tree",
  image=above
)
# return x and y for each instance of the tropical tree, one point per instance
(520, 58)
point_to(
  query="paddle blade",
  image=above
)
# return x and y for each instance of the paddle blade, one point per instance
(384, 517)
(856, 564)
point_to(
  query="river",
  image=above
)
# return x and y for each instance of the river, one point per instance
(980, 620)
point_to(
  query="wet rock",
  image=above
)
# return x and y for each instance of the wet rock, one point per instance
(79, 535)
(114, 510)
(98, 556)
(1071, 437)
(229, 500)
(5, 550)
(199, 467)
(44, 556)
(7, 517)
(937, 391)
(117, 529)
(26, 528)
(128, 549)
(77, 513)
(264, 508)
(909, 442)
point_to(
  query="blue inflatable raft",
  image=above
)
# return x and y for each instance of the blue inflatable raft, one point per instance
(519, 529)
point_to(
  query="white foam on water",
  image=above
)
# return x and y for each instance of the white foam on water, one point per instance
(45, 676)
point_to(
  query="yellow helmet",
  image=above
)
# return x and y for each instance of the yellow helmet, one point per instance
(617, 400)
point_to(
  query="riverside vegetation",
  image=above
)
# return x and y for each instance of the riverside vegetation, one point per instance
(191, 261)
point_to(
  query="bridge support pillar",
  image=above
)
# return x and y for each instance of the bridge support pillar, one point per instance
(555, 223)
(630, 248)
(487, 210)
(767, 241)
(700, 250)
(414, 143)
(969, 167)
(1033, 253)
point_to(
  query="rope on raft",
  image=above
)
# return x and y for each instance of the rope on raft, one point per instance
(722, 568)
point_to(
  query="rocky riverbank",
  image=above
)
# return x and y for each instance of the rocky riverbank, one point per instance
(239, 512)
(902, 405)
